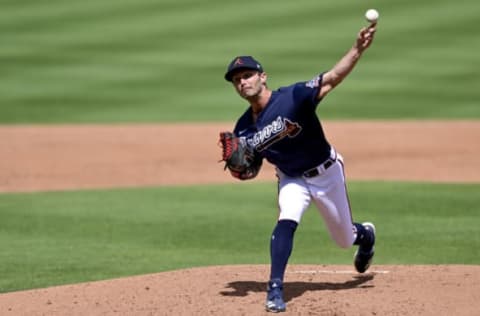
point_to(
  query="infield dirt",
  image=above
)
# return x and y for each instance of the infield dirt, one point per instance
(40, 158)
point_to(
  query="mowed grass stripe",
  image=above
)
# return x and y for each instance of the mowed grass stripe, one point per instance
(93, 61)
(64, 237)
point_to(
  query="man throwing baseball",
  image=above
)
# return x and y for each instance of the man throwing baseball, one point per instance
(282, 127)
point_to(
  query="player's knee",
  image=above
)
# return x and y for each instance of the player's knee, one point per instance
(285, 216)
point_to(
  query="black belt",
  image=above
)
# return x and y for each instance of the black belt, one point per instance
(314, 171)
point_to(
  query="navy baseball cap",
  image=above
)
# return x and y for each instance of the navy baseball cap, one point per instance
(242, 62)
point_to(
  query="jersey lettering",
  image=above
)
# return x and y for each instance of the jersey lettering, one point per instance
(274, 132)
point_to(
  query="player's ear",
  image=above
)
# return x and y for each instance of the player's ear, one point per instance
(263, 77)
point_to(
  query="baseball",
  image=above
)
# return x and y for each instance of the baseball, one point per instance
(371, 15)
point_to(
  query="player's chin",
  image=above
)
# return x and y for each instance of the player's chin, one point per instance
(244, 95)
(248, 93)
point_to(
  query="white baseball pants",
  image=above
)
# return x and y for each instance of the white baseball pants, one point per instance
(329, 194)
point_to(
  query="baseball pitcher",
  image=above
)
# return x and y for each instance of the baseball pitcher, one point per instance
(282, 126)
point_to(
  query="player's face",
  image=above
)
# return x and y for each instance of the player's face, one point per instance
(249, 83)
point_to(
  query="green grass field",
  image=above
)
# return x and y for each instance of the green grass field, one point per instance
(66, 237)
(107, 61)
(151, 61)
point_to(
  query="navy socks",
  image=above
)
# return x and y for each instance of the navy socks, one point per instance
(281, 246)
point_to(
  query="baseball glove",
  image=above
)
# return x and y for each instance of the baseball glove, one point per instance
(238, 156)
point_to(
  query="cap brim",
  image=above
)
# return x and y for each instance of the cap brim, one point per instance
(229, 74)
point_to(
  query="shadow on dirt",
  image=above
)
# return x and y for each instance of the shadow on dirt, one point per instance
(296, 289)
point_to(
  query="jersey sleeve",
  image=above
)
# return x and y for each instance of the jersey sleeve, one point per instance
(306, 93)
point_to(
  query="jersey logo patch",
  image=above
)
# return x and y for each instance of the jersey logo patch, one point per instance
(274, 132)
(315, 82)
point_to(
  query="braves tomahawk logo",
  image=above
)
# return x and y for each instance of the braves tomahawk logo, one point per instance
(239, 61)
(274, 132)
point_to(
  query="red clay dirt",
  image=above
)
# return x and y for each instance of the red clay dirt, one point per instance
(39, 158)
(42, 158)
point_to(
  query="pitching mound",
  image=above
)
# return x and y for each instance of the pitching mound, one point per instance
(240, 290)
(77, 157)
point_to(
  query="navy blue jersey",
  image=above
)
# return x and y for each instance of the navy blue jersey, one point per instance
(288, 132)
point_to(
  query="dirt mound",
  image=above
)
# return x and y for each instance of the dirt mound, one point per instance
(39, 158)
(240, 290)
